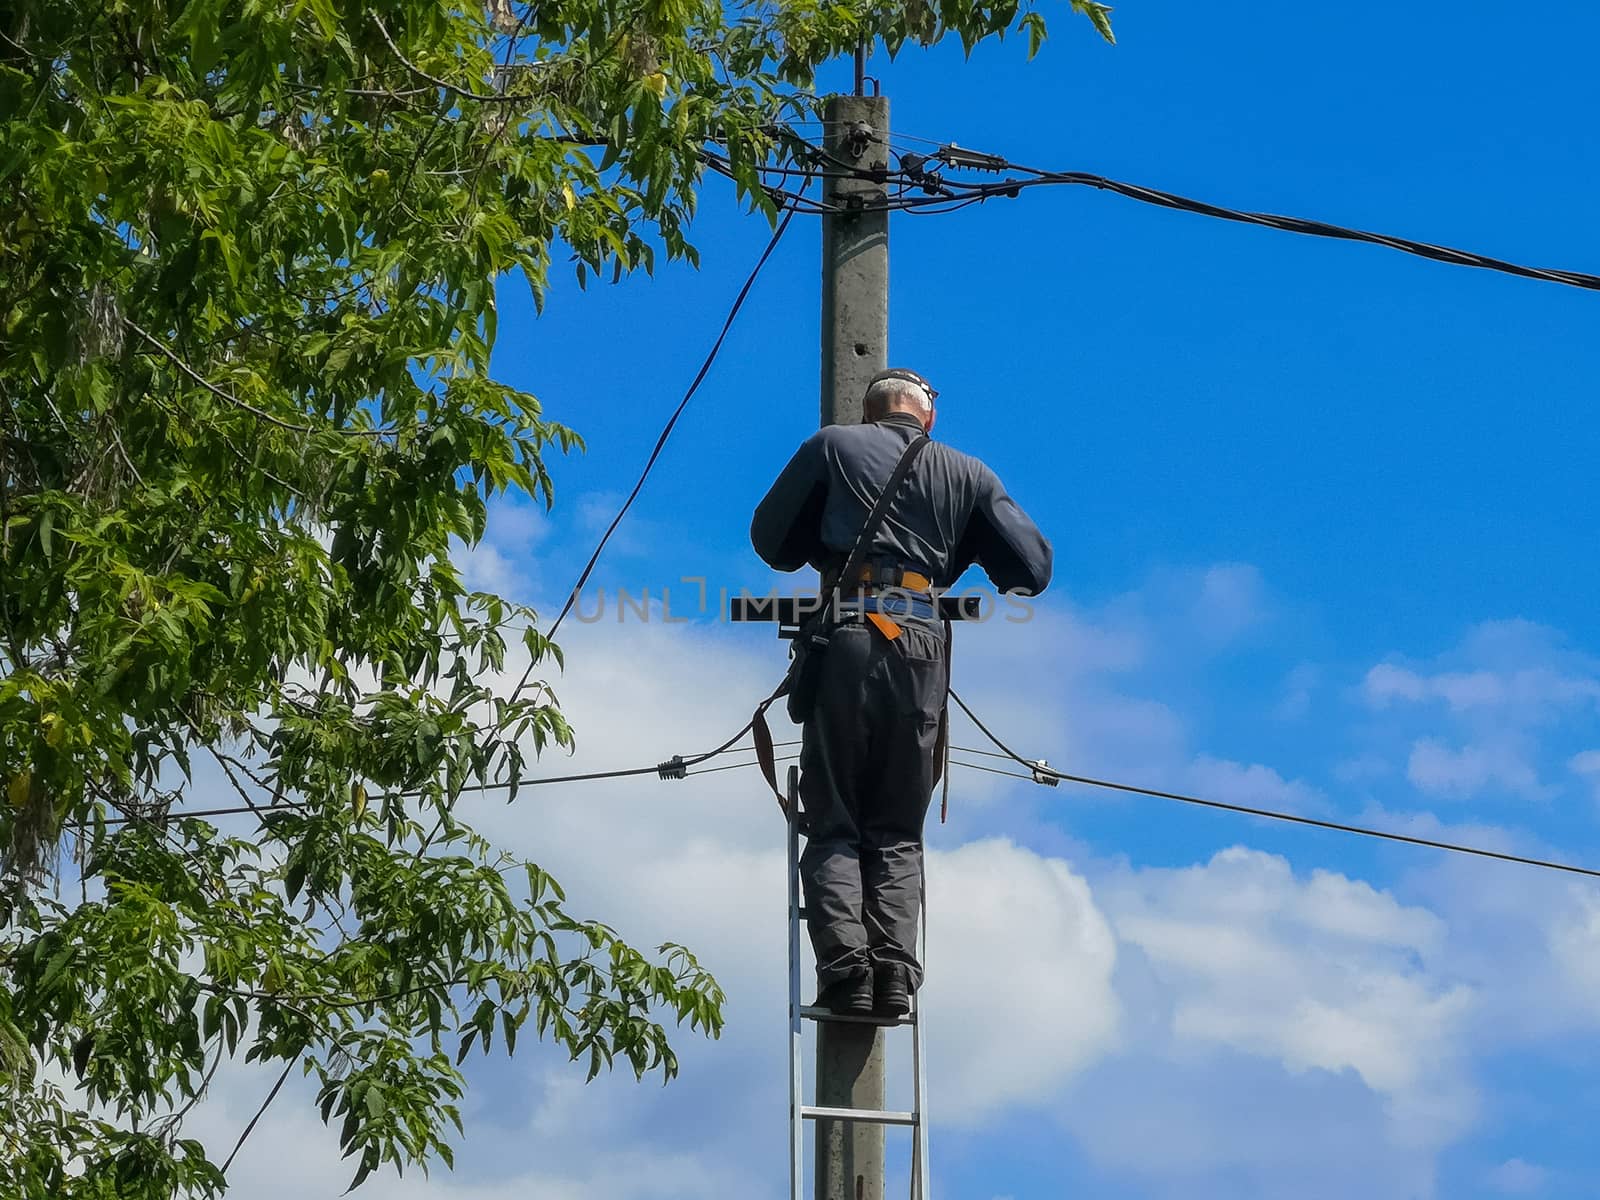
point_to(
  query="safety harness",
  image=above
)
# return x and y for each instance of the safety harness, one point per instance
(809, 643)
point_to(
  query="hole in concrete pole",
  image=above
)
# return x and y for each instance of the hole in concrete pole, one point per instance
(861, 349)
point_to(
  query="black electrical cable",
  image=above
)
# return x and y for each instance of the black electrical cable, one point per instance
(666, 432)
(672, 421)
(983, 753)
(975, 193)
(781, 758)
(1445, 254)
(1038, 768)
(785, 198)
(664, 770)
(960, 194)
(956, 762)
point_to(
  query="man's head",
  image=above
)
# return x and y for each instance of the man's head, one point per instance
(899, 390)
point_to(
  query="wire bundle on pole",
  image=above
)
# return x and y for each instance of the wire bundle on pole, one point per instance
(922, 183)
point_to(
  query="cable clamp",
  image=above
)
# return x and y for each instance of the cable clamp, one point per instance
(673, 768)
(1043, 774)
(915, 168)
(960, 158)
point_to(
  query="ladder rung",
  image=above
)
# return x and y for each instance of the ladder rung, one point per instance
(804, 913)
(812, 1013)
(869, 1116)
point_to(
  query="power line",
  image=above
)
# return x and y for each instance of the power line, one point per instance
(666, 432)
(786, 198)
(956, 762)
(781, 758)
(678, 767)
(926, 172)
(1039, 769)
(1302, 225)
(962, 194)
(672, 768)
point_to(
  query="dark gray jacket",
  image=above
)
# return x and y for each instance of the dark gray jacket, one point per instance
(951, 512)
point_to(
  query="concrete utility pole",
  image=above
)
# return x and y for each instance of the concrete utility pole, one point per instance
(855, 257)
(855, 346)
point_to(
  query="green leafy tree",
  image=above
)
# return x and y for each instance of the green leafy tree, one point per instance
(249, 259)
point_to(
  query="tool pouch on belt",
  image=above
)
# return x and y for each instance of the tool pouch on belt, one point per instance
(812, 640)
(806, 668)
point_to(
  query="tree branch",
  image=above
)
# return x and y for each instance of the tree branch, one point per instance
(444, 84)
(178, 362)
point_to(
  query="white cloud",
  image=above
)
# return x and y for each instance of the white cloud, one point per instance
(485, 569)
(1517, 1178)
(1221, 1124)
(1528, 694)
(1385, 683)
(1193, 609)
(1231, 599)
(517, 527)
(1586, 765)
(1322, 974)
(593, 1149)
(1497, 717)
(1510, 672)
(1250, 783)
(1299, 689)
(1019, 993)
(1574, 944)
(1466, 772)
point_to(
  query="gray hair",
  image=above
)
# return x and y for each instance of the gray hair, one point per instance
(880, 394)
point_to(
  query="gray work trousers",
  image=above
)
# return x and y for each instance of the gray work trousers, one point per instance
(868, 766)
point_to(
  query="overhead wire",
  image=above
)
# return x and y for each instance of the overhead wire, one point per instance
(672, 421)
(963, 195)
(957, 194)
(956, 762)
(1040, 771)
(780, 758)
(1312, 228)
(786, 198)
(666, 433)
(679, 767)
(672, 768)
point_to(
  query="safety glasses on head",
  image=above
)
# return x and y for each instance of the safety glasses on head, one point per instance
(909, 377)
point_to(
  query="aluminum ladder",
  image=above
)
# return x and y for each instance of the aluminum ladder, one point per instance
(799, 1013)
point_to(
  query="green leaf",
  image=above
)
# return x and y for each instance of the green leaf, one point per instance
(82, 1050)
(1034, 24)
(203, 35)
(1099, 16)
(294, 876)
(55, 969)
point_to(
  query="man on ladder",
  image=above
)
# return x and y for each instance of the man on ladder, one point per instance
(888, 532)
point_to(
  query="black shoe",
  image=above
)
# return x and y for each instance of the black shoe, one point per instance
(850, 997)
(891, 993)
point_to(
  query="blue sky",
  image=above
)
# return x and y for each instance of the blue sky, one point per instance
(1324, 523)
